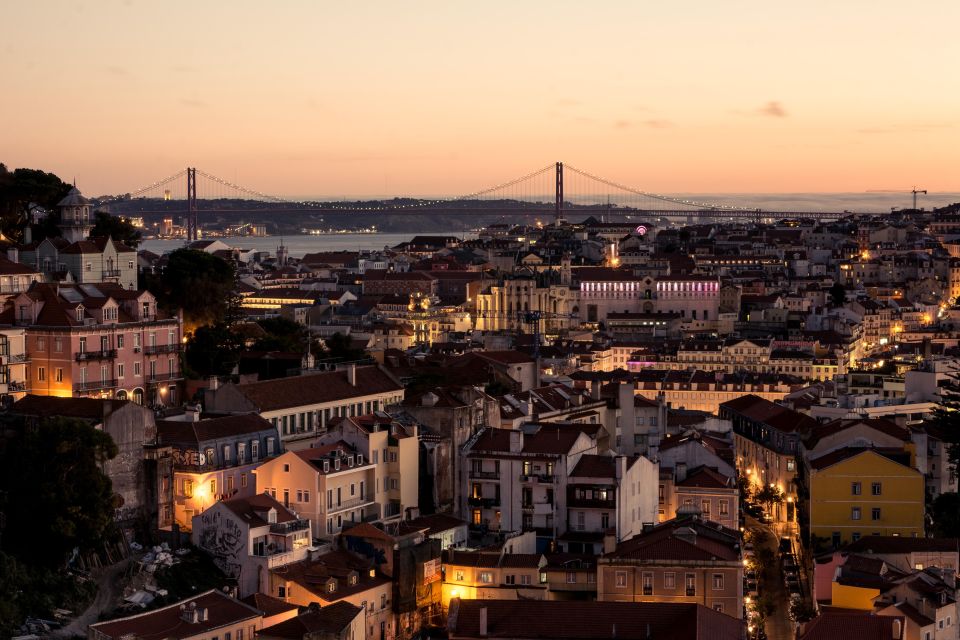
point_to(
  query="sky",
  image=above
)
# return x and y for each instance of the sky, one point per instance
(415, 98)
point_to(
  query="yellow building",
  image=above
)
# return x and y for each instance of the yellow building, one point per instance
(493, 576)
(857, 492)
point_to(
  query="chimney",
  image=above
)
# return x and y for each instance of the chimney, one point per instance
(352, 374)
(483, 621)
(516, 441)
(595, 389)
(213, 383)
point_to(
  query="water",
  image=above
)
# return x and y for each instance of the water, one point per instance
(299, 245)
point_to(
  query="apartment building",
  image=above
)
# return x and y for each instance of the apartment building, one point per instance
(682, 560)
(248, 536)
(330, 485)
(704, 391)
(856, 492)
(212, 460)
(302, 406)
(393, 450)
(493, 576)
(767, 443)
(701, 490)
(14, 365)
(339, 576)
(98, 340)
(493, 466)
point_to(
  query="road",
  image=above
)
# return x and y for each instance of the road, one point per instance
(779, 626)
(110, 581)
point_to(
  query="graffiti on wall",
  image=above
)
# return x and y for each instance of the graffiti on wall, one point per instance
(223, 539)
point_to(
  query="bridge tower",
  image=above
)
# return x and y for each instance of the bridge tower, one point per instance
(192, 215)
(558, 206)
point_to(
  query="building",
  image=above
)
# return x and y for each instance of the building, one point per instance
(682, 560)
(99, 340)
(856, 492)
(703, 490)
(139, 474)
(301, 406)
(339, 576)
(207, 615)
(705, 391)
(246, 537)
(492, 576)
(332, 486)
(213, 460)
(337, 621)
(14, 365)
(767, 442)
(553, 620)
(843, 625)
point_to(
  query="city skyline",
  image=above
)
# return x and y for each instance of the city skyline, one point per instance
(446, 99)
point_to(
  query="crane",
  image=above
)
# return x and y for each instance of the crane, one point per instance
(914, 191)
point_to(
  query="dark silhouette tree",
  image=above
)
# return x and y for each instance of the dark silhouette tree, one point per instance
(213, 351)
(945, 513)
(24, 190)
(200, 283)
(838, 294)
(116, 228)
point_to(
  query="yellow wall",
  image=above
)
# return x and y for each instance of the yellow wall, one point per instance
(849, 597)
(901, 502)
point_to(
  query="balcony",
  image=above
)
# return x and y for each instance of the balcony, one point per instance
(591, 503)
(111, 273)
(82, 387)
(20, 358)
(546, 478)
(162, 348)
(164, 377)
(103, 354)
(283, 528)
(484, 475)
(352, 503)
(484, 503)
(16, 386)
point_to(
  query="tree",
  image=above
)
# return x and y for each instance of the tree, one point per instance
(201, 284)
(340, 348)
(946, 515)
(63, 500)
(117, 228)
(213, 351)
(838, 294)
(769, 495)
(282, 335)
(21, 192)
(945, 423)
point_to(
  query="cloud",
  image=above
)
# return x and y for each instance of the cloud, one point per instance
(658, 124)
(773, 109)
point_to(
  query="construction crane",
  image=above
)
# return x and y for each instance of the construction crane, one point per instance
(914, 191)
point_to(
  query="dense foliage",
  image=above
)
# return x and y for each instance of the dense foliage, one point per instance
(201, 284)
(117, 228)
(21, 192)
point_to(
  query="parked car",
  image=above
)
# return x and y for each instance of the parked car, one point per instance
(766, 518)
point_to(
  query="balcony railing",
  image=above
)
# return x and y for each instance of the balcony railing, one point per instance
(537, 477)
(283, 528)
(162, 348)
(19, 358)
(484, 475)
(163, 377)
(103, 354)
(485, 503)
(97, 385)
(111, 273)
(352, 503)
(17, 386)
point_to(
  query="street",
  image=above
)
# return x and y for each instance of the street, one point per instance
(779, 626)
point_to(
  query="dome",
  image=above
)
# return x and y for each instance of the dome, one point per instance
(73, 199)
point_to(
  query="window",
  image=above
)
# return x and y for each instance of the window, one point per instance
(690, 581)
(41, 373)
(120, 370)
(243, 480)
(511, 579)
(670, 580)
(705, 507)
(621, 579)
(458, 575)
(213, 486)
(875, 514)
(854, 488)
(281, 592)
(136, 369)
(306, 496)
(718, 606)
(855, 513)
(724, 507)
(876, 488)
(571, 577)
(647, 584)
(717, 581)
(59, 374)
(486, 577)
(525, 579)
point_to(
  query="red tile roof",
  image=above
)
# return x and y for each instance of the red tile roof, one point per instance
(706, 477)
(571, 620)
(903, 544)
(186, 432)
(168, 623)
(832, 625)
(285, 393)
(315, 622)
(834, 457)
(269, 605)
(681, 539)
(253, 509)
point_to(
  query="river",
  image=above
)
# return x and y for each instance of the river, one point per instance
(299, 245)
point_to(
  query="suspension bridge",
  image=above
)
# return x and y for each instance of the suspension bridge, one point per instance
(556, 191)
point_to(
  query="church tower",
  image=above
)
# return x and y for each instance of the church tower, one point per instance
(75, 220)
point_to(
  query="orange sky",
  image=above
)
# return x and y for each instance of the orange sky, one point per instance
(325, 98)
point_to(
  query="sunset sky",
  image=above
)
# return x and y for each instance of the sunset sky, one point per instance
(319, 98)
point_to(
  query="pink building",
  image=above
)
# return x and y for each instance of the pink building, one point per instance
(98, 340)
